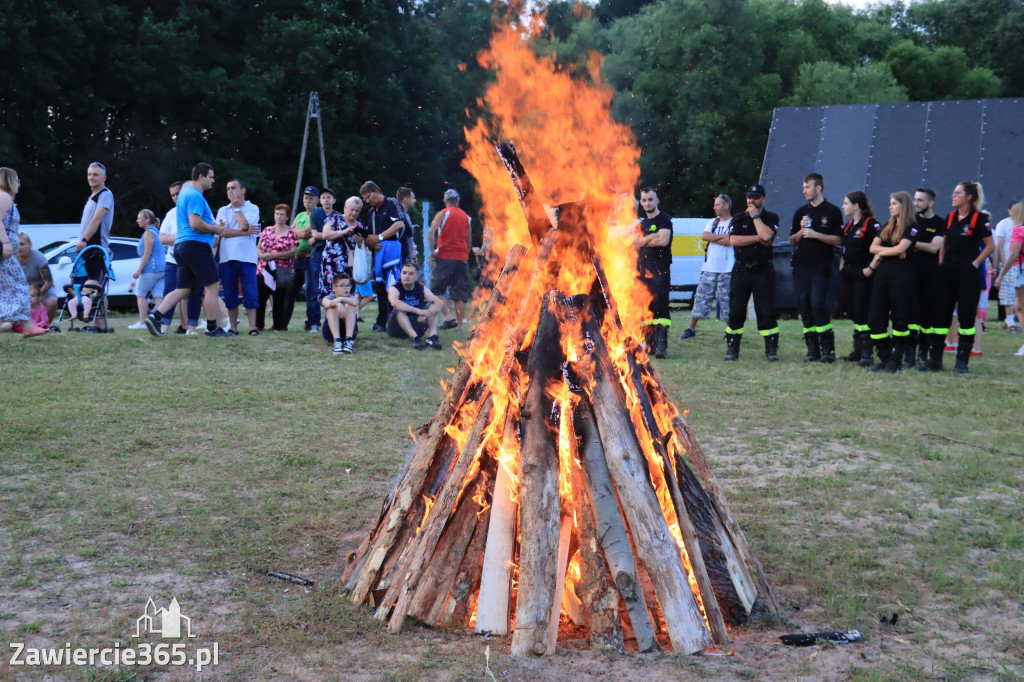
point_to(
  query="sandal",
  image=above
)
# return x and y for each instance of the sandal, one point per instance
(254, 332)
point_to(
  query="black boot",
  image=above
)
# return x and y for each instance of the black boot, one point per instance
(813, 349)
(858, 347)
(924, 343)
(827, 341)
(963, 353)
(771, 347)
(910, 350)
(935, 356)
(866, 350)
(894, 356)
(732, 346)
(883, 348)
(661, 342)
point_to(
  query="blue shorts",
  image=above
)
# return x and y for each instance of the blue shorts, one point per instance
(365, 290)
(237, 273)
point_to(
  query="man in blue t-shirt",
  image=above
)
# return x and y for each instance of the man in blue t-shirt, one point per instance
(193, 249)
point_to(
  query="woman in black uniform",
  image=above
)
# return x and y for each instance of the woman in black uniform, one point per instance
(968, 243)
(858, 235)
(894, 293)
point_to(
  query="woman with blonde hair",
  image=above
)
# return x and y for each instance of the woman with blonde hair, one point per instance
(149, 276)
(958, 280)
(14, 300)
(894, 292)
(1011, 275)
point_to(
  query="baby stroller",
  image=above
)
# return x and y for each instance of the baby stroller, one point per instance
(86, 299)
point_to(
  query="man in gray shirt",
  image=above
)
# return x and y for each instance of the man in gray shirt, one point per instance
(97, 217)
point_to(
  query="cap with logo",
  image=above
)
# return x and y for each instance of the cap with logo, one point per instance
(755, 191)
(312, 191)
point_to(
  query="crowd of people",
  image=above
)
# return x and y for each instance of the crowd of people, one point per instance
(196, 262)
(914, 287)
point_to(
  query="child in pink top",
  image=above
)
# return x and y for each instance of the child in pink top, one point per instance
(39, 320)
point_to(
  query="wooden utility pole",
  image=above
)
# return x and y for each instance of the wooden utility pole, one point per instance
(312, 112)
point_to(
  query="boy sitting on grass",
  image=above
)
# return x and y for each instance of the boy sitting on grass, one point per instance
(410, 315)
(341, 306)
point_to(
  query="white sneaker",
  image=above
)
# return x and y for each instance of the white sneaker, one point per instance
(137, 325)
(339, 348)
(314, 329)
(191, 332)
(1020, 351)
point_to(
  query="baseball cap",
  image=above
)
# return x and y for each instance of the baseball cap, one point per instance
(451, 195)
(755, 191)
(328, 190)
(311, 190)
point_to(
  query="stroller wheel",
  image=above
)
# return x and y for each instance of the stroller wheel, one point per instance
(89, 329)
(54, 329)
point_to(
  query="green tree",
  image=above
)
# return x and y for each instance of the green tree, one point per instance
(822, 83)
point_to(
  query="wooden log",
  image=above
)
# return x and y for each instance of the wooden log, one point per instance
(564, 538)
(495, 580)
(538, 496)
(432, 591)
(362, 574)
(688, 442)
(628, 467)
(610, 532)
(410, 571)
(649, 430)
(536, 217)
(595, 588)
(458, 612)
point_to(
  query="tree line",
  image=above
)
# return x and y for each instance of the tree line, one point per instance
(149, 88)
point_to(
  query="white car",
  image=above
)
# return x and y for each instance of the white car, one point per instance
(125, 261)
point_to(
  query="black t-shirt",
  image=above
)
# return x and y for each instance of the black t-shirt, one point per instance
(965, 238)
(386, 215)
(743, 226)
(655, 260)
(927, 230)
(814, 253)
(414, 297)
(857, 242)
(910, 233)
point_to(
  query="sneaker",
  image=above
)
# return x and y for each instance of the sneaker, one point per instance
(137, 325)
(181, 330)
(450, 324)
(190, 332)
(314, 329)
(378, 328)
(1014, 329)
(949, 349)
(976, 353)
(688, 333)
(418, 343)
(339, 348)
(434, 342)
(153, 324)
(1020, 352)
(220, 332)
(348, 346)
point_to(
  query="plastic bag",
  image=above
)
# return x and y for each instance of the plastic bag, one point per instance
(361, 268)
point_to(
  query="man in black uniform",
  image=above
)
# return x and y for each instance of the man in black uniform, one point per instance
(750, 235)
(931, 230)
(654, 246)
(817, 230)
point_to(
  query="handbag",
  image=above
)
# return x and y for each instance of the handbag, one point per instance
(284, 276)
(361, 265)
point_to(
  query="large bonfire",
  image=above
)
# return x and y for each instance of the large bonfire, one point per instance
(558, 481)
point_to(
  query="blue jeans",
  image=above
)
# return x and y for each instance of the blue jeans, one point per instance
(194, 302)
(313, 288)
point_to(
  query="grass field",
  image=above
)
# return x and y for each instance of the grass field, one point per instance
(133, 467)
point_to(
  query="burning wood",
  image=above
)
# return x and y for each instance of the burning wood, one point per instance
(556, 441)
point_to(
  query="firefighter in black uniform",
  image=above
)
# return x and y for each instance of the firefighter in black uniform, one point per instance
(967, 244)
(751, 235)
(858, 234)
(654, 245)
(894, 289)
(816, 231)
(931, 230)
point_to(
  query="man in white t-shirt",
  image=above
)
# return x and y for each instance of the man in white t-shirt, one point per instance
(238, 254)
(1002, 236)
(717, 268)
